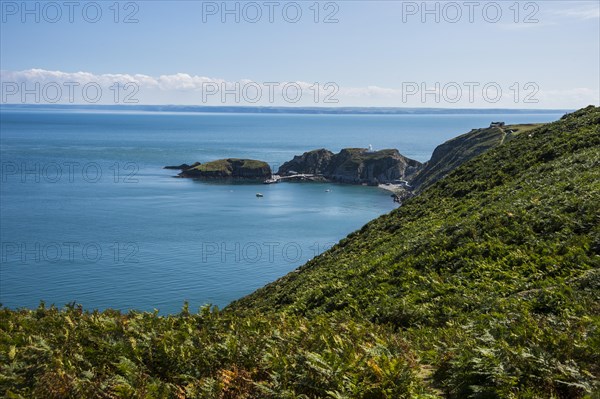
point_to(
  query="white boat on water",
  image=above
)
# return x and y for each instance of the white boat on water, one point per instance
(259, 195)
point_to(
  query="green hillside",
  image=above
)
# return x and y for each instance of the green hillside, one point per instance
(493, 271)
(453, 153)
(531, 203)
(484, 285)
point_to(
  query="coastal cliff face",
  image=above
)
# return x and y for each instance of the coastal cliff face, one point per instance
(229, 168)
(453, 153)
(312, 162)
(353, 165)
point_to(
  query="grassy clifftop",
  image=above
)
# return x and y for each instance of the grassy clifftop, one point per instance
(485, 285)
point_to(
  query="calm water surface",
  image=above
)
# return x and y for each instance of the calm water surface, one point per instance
(89, 215)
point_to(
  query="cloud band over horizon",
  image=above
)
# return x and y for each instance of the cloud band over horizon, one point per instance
(40, 86)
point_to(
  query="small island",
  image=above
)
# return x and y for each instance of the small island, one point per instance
(230, 168)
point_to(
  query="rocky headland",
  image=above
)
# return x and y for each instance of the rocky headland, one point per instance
(453, 153)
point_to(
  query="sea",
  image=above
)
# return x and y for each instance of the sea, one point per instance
(89, 216)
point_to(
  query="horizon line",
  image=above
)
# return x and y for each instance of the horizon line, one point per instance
(282, 109)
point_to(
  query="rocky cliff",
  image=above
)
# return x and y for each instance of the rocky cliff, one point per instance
(312, 162)
(353, 165)
(230, 168)
(453, 153)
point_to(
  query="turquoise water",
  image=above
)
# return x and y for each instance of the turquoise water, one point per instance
(89, 215)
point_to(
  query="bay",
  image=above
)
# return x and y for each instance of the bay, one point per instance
(88, 215)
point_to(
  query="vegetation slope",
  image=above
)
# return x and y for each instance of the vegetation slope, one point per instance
(454, 152)
(485, 285)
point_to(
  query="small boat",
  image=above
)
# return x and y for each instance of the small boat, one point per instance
(259, 195)
(328, 191)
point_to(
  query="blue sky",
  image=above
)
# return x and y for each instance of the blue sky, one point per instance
(378, 53)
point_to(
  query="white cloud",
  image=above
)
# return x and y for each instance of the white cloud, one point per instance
(589, 10)
(555, 14)
(525, 26)
(186, 89)
(370, 91)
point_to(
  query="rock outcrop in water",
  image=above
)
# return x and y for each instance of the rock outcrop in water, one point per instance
(183, 166)
(353, 165)
(231, 168)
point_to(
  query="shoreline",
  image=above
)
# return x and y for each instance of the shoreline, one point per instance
(393, 188)
(399, 191)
